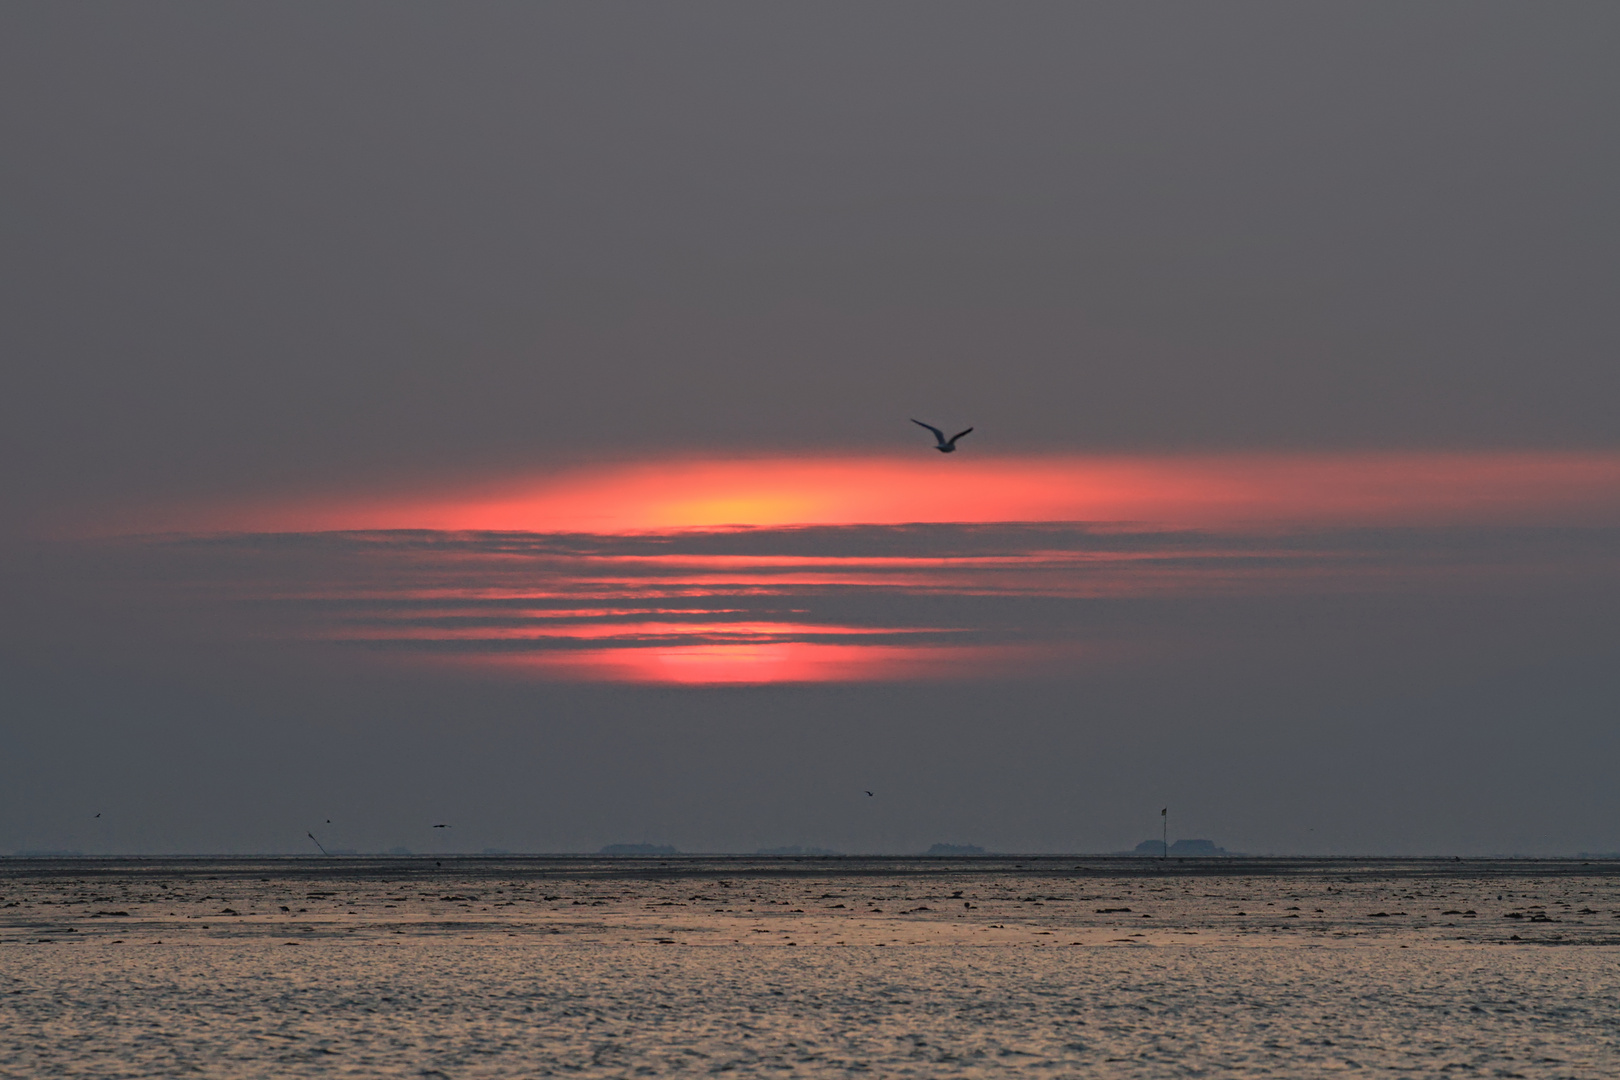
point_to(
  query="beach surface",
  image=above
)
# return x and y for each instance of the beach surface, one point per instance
(926, 967)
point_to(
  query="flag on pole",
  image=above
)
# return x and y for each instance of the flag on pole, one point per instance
(1165, 812)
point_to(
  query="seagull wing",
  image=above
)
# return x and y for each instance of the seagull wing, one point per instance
(959, 434)
(938, 434)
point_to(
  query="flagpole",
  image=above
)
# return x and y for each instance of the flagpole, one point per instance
(1165, 840)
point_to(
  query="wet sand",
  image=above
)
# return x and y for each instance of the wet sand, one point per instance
(516, 966)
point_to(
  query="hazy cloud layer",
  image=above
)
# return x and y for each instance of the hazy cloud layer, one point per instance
(251, 252)
(1049, 595)
(250, 245)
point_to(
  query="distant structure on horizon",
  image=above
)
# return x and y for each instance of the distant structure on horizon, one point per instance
(795, 849)
(955, 849)
(638, 849)
(1181, 849)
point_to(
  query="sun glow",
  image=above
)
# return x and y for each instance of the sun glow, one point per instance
(1186, 491)
(760, 664)
(712, 573)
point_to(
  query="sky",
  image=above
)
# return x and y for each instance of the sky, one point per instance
(499, 416)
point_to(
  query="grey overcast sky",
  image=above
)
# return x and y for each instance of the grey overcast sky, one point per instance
(253, 249)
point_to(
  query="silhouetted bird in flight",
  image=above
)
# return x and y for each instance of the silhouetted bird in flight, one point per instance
(98, 815)
(869, 794)
(942, 444)
(441, 826)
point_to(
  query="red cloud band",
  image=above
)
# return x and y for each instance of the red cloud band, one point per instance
(1202, 491)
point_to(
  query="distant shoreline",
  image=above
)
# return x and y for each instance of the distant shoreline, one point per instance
(779, 866)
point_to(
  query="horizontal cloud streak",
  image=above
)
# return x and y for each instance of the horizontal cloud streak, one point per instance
(1222, 491)
(872, 567)
(855, 602)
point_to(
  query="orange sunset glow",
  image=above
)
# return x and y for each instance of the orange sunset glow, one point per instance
(776, 662)
(859, 569)
(1385, 488)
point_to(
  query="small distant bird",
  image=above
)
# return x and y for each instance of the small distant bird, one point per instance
(942, 444)
(329, 821)
(869, 794)
(98, 815)
(441, 826)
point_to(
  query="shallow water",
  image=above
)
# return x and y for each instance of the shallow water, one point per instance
(807, 967)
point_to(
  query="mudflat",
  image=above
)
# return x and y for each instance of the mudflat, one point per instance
(808, 966)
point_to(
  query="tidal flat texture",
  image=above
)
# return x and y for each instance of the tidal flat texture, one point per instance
(519, 967)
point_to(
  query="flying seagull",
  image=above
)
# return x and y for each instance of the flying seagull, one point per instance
(867, 792)
(441, 826)
(942, 444)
